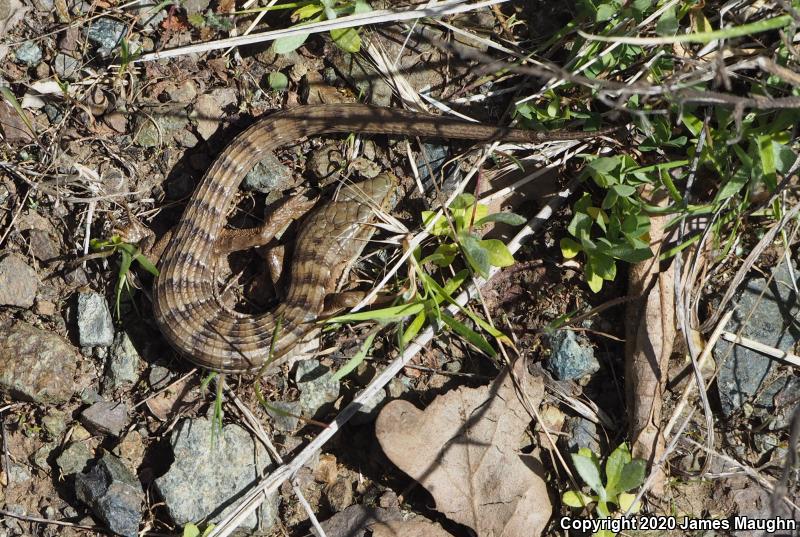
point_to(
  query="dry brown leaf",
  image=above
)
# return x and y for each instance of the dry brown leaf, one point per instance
(12, 127)
(416, 527)
(464, 449)
(650, 332)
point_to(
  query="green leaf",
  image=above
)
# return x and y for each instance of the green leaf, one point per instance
(576, 498)
(361, 7)
(465, 200)
(632, 475)
(443, 256)
(413, 329)
(347, 39)
(499, 255)
(353, 362)
(510, 219)
(284, 45)
(278, 81)
(767, 155)
(476, 255)
(145, 263)
(569, 248)
(190, 530)
(623, 191)
(668, 23)
(588, 468)
(468, 334)
(605, 12)
(391, 313)
(614, 466)
(594, 280)
(307, 11)
(440, 226)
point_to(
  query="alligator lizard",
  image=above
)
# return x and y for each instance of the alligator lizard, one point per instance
(185, 299)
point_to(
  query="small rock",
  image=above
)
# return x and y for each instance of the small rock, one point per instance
(183, 93)
(74, 458)
(114, 495)
(41, 457)
(44, 246)
(340, 495)
(369, 411)
(106, 33)
(54, 423)
(396, 388)
(745, 372)
(160, 129)
(159, 377)
(356, 520)
(208, 113)
(131, 450)
(210, 471)
(363, 77)
(123, 365)
(193, 7)
(437, 156)
(66, 67)
(570, 358)
(317, 387)
(36, 365)
(29, 53)
(284, 415)
(18, 473)
(106, 417)
(269, 176)
(95, 325)
(18, 282)
(89, 396)
(580, 433)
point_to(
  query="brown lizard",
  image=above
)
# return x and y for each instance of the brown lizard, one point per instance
(185, 300)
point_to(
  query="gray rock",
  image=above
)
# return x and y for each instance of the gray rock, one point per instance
(745, 372)
(36, 365)
(18, 282)
(123, 363)
(95, 326)
(581, 433)
(54, 423)
(317, 387)
(159, 377)
(211, 471)
(74, 458)
(42, 456)
(29, 53)
(44, 246)
(18, 473)
(269, 176)
(356, 521)
(195, 6)
(570, 357)
(106, 417)
(113, 493)
(437, 156)
(369, 411)
(106, 33)
(155, 130)
(396, 388)
(186, 92)
(284, 415)
(66, 67)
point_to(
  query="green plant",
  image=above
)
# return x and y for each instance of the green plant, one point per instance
(348, 39)
(623, 474)
(191, 530)
(129, 253)
(457, 229)
(465, 216)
